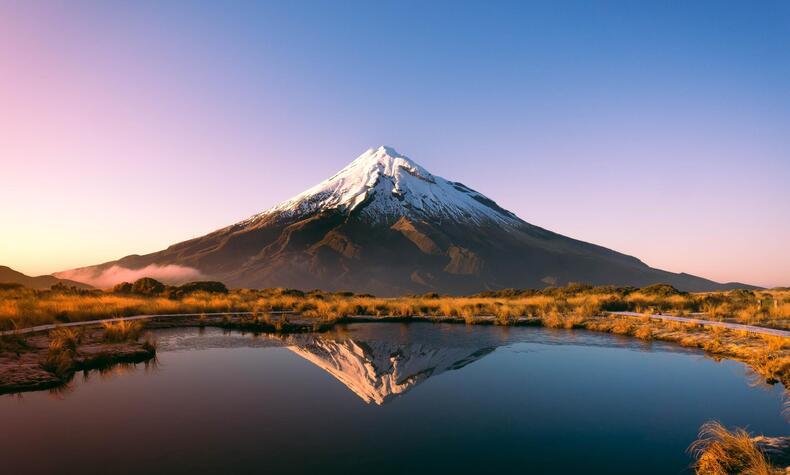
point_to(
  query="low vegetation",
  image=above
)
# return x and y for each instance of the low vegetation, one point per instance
(62, 351)
(573, 306)
(719, 451)
(22, 307)
(50, 360)
(121, 331)
(26, 307)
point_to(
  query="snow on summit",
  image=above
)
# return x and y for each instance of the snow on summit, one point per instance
(386, 185)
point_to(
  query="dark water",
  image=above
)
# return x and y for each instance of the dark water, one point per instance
(387, 398)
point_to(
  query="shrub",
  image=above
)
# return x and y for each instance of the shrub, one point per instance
(291, 292)
(148, 286)
(122, 288)
(661, 290)
(10, 286)
(211, 287)
(62, 288)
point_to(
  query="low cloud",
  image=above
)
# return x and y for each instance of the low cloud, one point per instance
(103, 278)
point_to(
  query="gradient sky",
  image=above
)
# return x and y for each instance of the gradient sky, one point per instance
(659, 130)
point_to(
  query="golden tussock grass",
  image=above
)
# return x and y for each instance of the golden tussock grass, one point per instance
(568, 307)
(121, 331)
(29, 307)
(62, 349)
(719, 451)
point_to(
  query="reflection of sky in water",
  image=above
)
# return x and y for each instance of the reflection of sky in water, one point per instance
(456, 399)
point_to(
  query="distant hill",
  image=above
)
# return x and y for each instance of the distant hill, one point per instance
(10, 276)
(387, 226)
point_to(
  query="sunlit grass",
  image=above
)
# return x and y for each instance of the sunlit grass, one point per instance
(122, 331)
(574, 306)
(28, 307)
(62, 349)
(719, 451)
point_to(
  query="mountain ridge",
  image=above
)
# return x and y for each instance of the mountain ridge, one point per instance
(11, 276)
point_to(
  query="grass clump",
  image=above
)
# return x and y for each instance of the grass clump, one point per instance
(644, 332)
(719, 451)
(62, 351)
(121, 331)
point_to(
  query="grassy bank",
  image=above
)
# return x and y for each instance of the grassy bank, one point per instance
(50, 360)
(26, 307)
(575, 306)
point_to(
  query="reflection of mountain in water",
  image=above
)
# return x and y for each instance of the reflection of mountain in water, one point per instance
(379, 361)
(378, 371)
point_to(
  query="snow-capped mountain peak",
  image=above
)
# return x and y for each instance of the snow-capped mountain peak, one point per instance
(386, 185)
(387, 161)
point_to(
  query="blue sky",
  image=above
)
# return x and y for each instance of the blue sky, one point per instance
(658, 129)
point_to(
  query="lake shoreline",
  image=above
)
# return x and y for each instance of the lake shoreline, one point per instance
(22, 368)
(766, 355)
(25, 364)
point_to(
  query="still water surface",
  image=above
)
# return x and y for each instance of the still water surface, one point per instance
(387, 398)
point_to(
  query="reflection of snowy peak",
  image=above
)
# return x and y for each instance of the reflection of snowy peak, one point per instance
(377, 371)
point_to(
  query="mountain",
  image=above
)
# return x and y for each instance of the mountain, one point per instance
(10, 276)
(385, 225)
